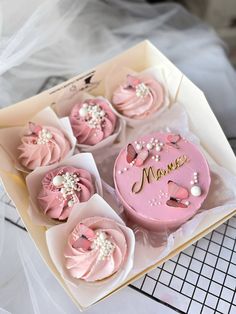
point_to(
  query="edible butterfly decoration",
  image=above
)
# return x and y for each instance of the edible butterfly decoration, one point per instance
(132, 81)
(172, 140)
(138, 158)
(86, 236)
(177, 193)
(34, 128)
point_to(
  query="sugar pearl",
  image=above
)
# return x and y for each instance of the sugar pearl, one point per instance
(63, 190)
(196, 190)
(149, 146)
(70, 203)
(57, 180)
(102, 113)
(49, 135)
(138, 146)
(158, 148)
(83, 112)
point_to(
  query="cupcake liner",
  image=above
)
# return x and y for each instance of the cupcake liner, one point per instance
(34, 179)
(88, 293)
(112, 82)
(10, 138)
(64, 109)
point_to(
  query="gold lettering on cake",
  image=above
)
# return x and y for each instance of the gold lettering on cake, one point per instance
(151, 174)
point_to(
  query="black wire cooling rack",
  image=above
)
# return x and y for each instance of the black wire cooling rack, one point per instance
(199, 280)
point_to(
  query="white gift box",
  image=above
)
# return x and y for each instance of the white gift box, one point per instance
(202, 123)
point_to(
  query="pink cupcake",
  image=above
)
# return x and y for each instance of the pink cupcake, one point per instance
(138, 97)
(42, 146)
(96, 249)
(62, 188)
(92, 121)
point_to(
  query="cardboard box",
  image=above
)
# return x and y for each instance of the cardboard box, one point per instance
(202, 122)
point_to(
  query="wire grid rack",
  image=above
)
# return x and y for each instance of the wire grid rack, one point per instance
(199, 280)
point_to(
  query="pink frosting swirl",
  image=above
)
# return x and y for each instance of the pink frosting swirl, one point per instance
(42, 146)
(92, 121)
(138, 97)
(62, 188)
(96, 249)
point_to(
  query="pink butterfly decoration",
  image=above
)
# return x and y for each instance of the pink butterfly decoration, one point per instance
(138, 158)
(177, 193)
(34, 128)
(132, 81)
(86, 236)
(173, 139)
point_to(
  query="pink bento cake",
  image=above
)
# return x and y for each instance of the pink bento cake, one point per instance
(162, 180)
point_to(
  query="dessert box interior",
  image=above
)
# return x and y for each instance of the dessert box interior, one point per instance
(181, 90)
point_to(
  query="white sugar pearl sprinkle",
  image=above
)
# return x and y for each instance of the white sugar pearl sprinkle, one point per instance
(149, 146)
(196, 190)
(158, 148)
(49, 135)
(83, 112)
(57, 180)
(70, 203)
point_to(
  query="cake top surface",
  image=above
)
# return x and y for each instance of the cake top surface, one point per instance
(162, 176)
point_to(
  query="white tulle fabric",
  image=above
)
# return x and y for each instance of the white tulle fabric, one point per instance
(46, 39)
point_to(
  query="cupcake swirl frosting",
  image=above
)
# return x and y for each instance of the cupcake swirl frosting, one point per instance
(138, 97)
(62, 188)
(96, 249)
(92, 121)
(42, 146)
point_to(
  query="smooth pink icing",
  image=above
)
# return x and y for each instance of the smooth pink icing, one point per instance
(161, 216)
(36, 155)
(85, 263)
(50, 198)
(130, 105)
(83, 132)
